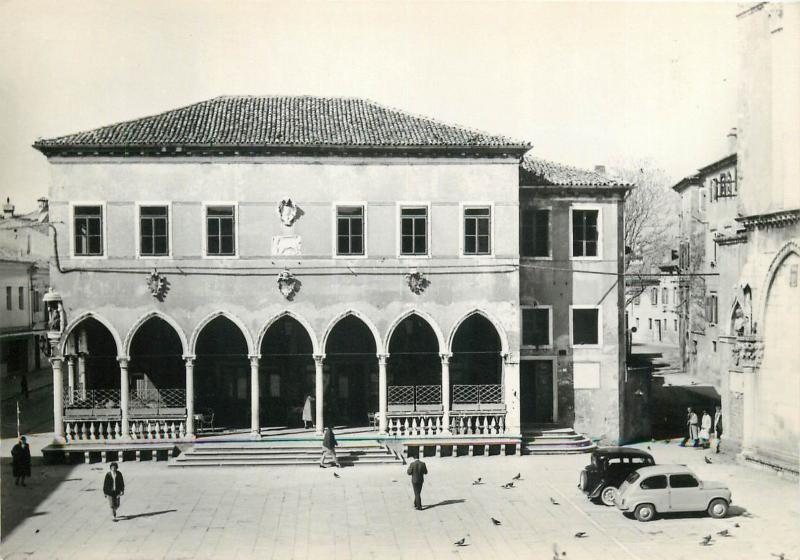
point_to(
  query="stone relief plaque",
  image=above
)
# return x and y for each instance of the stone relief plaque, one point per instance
(286, 245)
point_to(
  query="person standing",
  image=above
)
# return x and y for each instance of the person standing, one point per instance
(717, 427)
(308, 417)
(113, 488)
(21, 461)
(329, 444)
(23, 386)
(691, 424)
(417, 470)
(705, 430)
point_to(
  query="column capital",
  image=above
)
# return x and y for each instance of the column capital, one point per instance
(318, 358)
(511, 358)
(446, 357)
(383, 357)
(254, 359)
(189, 358)
(54, 359)
(123, 360)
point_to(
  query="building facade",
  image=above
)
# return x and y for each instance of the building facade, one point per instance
(653, 304)
(24, 277)
(226, 260)
(741, 331)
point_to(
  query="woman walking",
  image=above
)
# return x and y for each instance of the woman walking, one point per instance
(308, 417)
(328, 447)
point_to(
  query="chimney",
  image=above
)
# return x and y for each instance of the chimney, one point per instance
(601, 169)
(8, 209)
(732, 138)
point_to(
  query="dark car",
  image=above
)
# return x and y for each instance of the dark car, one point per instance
(609, 467)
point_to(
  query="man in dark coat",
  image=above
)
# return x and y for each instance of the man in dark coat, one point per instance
(21, 461)
(113, 488)
(329, 444)
(417, 470)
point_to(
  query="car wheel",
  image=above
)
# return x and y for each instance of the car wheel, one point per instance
(644, 512)
(608, 495)
(718, 508)
(583, 483)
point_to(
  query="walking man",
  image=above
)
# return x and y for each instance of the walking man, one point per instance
(691, 424)
(113, 488)
(329, 444)
(21, 461)
(717, 427)
(417, 470)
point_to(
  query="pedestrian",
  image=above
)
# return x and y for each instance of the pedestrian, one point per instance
(308, 417)
(691, 424)
(329, 444)
(21, 461)
(417, 469)
(717, 427)
(113, 488)
(23, 385)
(705, 430)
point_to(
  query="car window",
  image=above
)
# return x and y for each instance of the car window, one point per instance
(614, 461)
(633, 477)
(654, 482)
(683, 481)
(650, 461)
(639, 461)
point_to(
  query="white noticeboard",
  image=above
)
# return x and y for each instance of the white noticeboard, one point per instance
(586, 375)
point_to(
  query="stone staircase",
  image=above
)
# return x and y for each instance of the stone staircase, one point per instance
(557, 441)
(272, 453)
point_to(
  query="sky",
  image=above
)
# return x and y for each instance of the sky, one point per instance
(587, 83)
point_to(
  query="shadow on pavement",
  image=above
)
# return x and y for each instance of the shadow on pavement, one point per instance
(148, 514)
(445, 503)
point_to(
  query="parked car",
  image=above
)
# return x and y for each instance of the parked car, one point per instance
(671, 488)
(601, 478)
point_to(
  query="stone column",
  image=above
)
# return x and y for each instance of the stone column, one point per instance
(319, 392)
(124, 397)
(71, 378)
(189, 365)
(511, 393)
(255, 405)
(382, 393)
(445, 392)
(82, 349)
(58, 405)
(749, 412)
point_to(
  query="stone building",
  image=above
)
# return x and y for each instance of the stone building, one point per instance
(653, 300)
(741, 330)
(24, 277)
(225, 260)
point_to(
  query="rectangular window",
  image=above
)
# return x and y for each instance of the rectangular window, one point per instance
(535, 240)
(712, 309)
(349, 230)
(683, 481)
(477, 231)
(8, 298)
(637, 323)
(153, 231)
(536, 327)
(584, 233)
(585, 326)
(653, 296)
(88, 230)
(21, 298)
(650, 324)
(221, 230)
(35, 300)
(664, 296)
(684, 255)
(637, 300)
(414, 231)
(676, 325)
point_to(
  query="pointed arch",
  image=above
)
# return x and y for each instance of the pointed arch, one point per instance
(358, 315)
(306, 325)
(425, 317)
(164, 317)
(233, 319)
(100, 319)
(501, 333)
(791, 247)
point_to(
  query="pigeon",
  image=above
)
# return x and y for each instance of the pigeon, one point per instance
(708, 461)
(736, 525)
(508, 485)
(37, 530)
(706, 541)
(336, 475)
(461, 542)
(518, 477)
(476, 482)
(496, 522)
(781, 556)
(724, 533)
(581, 534)
(393, 480)
(554, 502)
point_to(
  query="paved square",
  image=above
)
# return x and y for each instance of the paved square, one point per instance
(305, 512)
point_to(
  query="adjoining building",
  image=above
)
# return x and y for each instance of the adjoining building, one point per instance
(24, 278)
(653, 300)
(223, 261)
(740, 227)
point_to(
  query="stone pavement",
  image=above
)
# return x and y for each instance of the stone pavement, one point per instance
(305, 512)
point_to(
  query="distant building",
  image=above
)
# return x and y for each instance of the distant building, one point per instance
(653, 304)
(24, 278)
(740, 220)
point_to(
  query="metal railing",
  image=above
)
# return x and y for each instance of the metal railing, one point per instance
(158, 398)
(477, 394)
(91, 399)
(106, 402)
(413, 397)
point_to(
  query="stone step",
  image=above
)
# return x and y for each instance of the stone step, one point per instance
(551, 442)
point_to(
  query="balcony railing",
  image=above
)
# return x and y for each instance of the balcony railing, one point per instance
(480, 397)
(414, 398)
(105, 403)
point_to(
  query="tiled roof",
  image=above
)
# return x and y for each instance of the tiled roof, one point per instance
(535, 171)
(284, 121)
